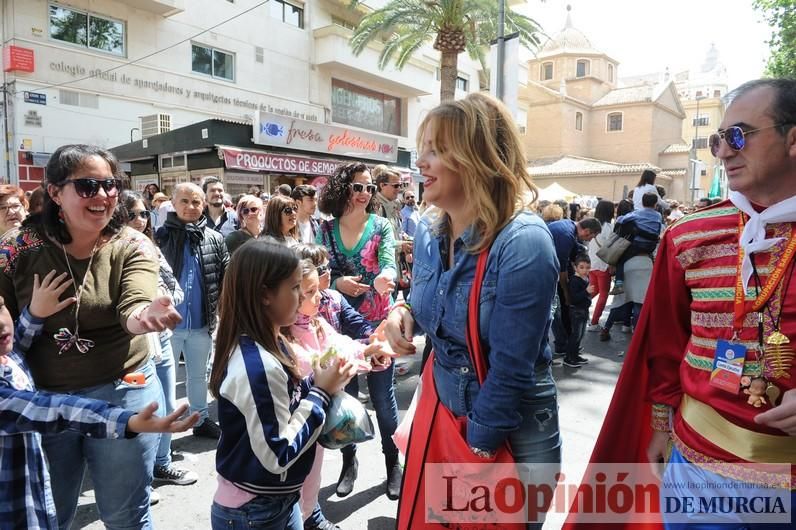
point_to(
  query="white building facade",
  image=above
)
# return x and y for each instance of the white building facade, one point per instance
(106, 72)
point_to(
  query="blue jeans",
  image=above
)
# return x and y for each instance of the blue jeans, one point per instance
(682, 473)
(121, 470)
(561, 324)
(195, 346)
(537, 440)
(579, 317)
(381, 386)
(274, 512)
(167, 374)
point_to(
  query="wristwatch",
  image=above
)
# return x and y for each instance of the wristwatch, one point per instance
(482, 453)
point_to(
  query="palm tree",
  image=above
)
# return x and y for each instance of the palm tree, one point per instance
(453, 25)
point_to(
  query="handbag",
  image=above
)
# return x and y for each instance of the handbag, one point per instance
(611, 252)
(438, 437)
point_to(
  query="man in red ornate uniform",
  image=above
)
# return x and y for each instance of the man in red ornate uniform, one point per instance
(710, 377)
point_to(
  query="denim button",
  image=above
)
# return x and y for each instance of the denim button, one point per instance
(465, 369)
(440, 291)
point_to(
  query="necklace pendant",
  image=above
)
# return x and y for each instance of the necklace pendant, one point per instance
(65, 339)
(778, 356)
(756, 390)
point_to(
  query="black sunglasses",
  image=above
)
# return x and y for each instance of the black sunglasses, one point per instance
(322, 269)
(143, 214)
(247, 211)
(289, 210)
(397, 186)
(88, 188)
(735, 137)
(359, 188)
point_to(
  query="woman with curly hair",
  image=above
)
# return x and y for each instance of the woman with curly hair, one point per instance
(281, 220)
(362, 262)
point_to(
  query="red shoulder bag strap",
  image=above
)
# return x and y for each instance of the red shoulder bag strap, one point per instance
(477, 357)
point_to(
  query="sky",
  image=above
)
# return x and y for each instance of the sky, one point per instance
(646, 36)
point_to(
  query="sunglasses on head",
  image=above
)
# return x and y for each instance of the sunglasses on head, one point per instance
(289, 210)
(143, 214)
(359, 188)
(88, 188)
(322, 269)
(735, 137)
(247, 211)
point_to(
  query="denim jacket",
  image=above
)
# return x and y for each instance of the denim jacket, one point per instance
(516, 297)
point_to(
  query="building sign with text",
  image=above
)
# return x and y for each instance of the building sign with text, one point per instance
(18, 59)
(287, 132)
(250, 160)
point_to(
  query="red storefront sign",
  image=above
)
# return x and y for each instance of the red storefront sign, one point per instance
(249, 160)
(17, 59)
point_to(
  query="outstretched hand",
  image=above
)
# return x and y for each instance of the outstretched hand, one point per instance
(146, 421)
(783, 416)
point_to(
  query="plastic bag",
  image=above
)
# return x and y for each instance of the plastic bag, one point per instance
(401, 436)
(347, 422)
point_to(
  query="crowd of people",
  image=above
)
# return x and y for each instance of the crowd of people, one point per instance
(104, 290)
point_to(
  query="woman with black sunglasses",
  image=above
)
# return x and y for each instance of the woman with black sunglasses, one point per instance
(281, 220)
(362, 261)
(250, 215)
(94, 347)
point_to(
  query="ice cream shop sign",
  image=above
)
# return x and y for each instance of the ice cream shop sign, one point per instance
(283, 131)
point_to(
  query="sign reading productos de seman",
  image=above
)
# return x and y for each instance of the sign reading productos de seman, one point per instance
(283, 131)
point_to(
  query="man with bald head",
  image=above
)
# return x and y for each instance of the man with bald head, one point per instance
(198, 256)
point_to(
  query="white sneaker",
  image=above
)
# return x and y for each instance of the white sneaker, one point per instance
(594, 327)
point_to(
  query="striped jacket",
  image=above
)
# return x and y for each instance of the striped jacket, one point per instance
(269, 423)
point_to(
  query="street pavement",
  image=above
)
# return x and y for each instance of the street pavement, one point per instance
(584, 394)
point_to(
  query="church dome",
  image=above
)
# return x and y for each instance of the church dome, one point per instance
(568, 38)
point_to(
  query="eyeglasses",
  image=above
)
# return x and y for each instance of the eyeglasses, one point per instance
(322, 269)
(735, 137)
(13, 207)
(143, 214)
(408, 198)
(88, 188)
(289, 210)
(247, 211)
(359, 188)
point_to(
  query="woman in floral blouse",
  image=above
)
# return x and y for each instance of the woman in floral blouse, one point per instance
(361, 249)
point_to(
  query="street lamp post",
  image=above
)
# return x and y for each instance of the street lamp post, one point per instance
(501, 49)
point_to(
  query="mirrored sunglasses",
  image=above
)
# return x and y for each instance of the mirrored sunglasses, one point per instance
(247, 211)
(143, 214)
(359, 188)
(735, 137)
(87, 188)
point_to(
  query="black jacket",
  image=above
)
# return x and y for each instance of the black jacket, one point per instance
(213, 256)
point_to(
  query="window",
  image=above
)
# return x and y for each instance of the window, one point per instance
(578, 121)
(462, 84)
(699, 143)
(87, 30)
(698, 94)
(717, 93)
(611, 73)
(286, 12)
(582, 69)
(259, 54)
(702, 120)
(364, 108)
(547, 71)
(614, 122)
(173, 161)
(212, 62)
(78, 99)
